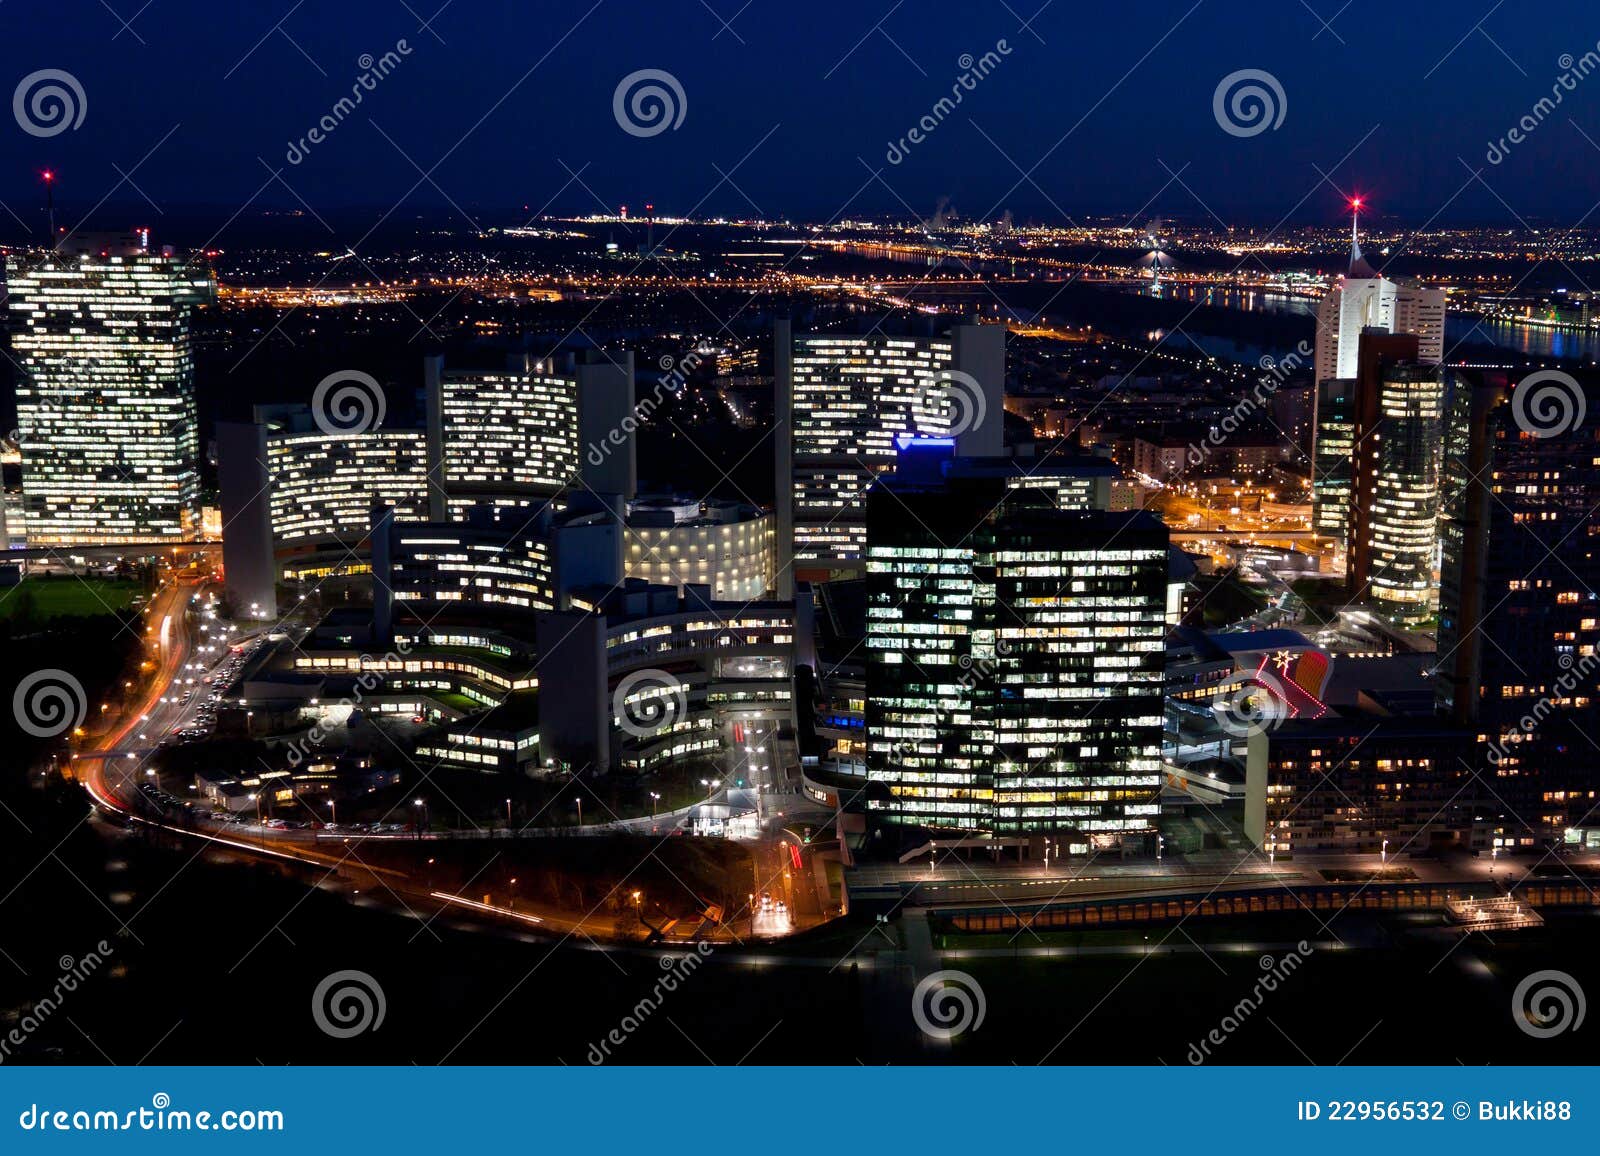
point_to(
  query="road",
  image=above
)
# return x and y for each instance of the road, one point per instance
(782, 862)
(186, 641)
(168, 642)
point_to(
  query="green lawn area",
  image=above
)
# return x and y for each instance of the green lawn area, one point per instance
(37, 599)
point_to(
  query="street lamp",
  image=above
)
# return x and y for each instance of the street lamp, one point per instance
(1383, 854)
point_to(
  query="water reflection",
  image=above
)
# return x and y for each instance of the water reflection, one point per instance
(1517, 337)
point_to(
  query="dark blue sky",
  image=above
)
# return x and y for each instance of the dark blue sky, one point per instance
(516, 88)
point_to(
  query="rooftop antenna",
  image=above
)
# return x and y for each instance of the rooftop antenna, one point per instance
(50, 202)
(1358, 263)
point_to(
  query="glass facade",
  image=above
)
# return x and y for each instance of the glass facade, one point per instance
(105, 401)
(1409, 444)
(1335, 448)
(1014, 660)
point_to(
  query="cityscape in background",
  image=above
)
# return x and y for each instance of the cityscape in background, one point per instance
(923, 638)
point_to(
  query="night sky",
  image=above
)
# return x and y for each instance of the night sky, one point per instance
(798, 104)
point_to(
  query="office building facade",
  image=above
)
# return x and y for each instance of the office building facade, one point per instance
(1519, 618)
(1014, 657)
(843, 399)
(105, 402)
(1361, 300)
(1376, 487)
(530, 431)
(1393, 553)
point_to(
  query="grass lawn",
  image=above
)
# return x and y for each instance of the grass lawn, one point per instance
(40, 598)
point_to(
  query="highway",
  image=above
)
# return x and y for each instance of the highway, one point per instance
(168, 644)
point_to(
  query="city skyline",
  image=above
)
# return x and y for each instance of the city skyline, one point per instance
(930, 536)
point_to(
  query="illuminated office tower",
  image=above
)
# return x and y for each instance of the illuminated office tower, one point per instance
(842, 400)
(324, 486)
(1359, 300)
(523, 434)
(297, 499)
(1394, 552)
(105, 400)
(1079, 623)
(1348, 443)
(1363, 299)
(1331, 477)
(1014, 655)
(1420, 312)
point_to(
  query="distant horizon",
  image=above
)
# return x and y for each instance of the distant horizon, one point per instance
(1181, 108)
(113, 217)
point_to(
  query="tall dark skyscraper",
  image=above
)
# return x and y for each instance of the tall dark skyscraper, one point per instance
(1014, 655)
(1519, 621)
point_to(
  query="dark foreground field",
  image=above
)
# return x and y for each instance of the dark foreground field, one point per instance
(219, 964)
